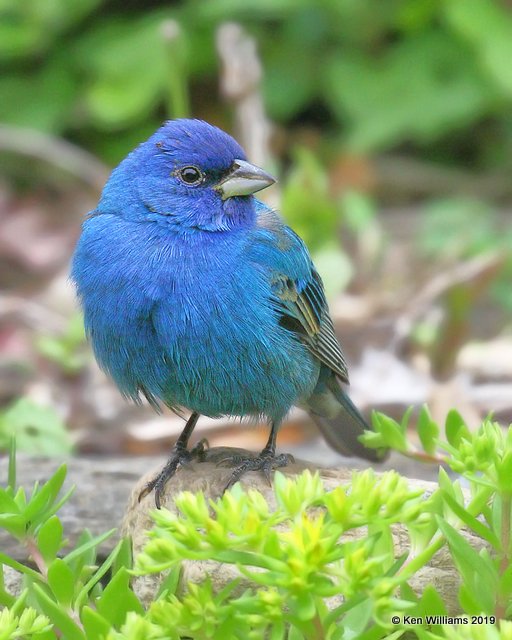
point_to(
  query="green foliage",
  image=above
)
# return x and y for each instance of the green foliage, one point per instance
(68, 349)
(479, 632)
(317, 564)
(472, 19)
(306, 196)
(319, 216)
(484, 458)
(38, 429)
(458, 228)
(454, 229)
(28, 624)
(388, 104)
(57, 595)
(132, 65)
(388, 71)
(314, 213)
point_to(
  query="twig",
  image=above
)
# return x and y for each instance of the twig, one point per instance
(468, 271)
(56, 151)
(178, 103)
(240, 84)
(32, 314)
(420, 178)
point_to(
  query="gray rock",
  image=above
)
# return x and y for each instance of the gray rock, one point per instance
(210, 479)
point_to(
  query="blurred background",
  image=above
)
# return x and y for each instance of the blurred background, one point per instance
(389, 125)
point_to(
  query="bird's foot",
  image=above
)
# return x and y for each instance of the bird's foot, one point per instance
(265, 461)
(180, 457)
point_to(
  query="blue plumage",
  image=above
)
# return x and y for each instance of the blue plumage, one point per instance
(197, 295)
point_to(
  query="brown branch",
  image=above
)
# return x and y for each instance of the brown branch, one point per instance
(469, 271)
(241, 86)
(56, 151)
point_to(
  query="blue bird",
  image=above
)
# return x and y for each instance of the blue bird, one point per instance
(198, 296)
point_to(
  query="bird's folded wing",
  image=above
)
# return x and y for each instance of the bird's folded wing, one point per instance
(304, 311)
(297, 289)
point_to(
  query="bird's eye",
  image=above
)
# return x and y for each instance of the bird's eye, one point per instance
(190, 175)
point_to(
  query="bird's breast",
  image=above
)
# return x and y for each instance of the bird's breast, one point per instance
(189, 320)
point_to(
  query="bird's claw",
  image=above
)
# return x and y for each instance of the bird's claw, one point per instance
(265, 462)
(197, 453)
(231, 460)
(180, 457)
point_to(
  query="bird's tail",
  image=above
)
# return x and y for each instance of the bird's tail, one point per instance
(339, 421)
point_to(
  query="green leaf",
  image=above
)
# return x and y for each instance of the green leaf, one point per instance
(359, 211)
(372, 440)
(81, 559)
(67, 348)
(29, 28)
(428, 431)
(127, 61)
(479, 577)
(17, 38)
(61, 581)
(11, 471)
(307, 203)
(8, 505)
(98, 575)
(123, 557)
(375, 632)
(294, 633)
(61, 619)
(334, 615)
(278, 631)
(290, 80)
(449, 486)
(356, 619)
(505, 586)
(391, 432)
(118, 599)
(504, 473)
(15, 524)
(14, 564)
(38, 429)
(455, 428)
(470, 521)
(49, 538)
(475, 20)
(170, 583)
(430, 603)
(404, 422)
(90, 543)
(53, 81)
(304, 607)
(334, 268)
(446, 90)
(43, 499)
(96, 627)
(457, 228)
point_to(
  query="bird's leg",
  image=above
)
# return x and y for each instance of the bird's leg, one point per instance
(265, 461)
(180, 456)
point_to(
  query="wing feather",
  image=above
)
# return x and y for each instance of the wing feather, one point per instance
(298, 292)
(305, 312)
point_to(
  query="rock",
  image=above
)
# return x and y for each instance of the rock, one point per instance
(103, 486)
(210, 479)
(13, 581)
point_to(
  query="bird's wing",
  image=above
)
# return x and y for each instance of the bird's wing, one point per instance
(297, 290)
(303, 310)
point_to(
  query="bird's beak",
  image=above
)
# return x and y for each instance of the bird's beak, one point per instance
(243, 179)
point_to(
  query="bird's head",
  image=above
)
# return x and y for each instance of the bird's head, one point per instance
(188, 173)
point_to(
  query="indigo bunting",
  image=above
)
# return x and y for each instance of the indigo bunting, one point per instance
(198, 296)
